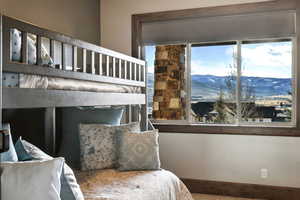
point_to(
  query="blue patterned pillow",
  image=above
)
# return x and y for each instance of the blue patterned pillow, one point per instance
(139, 151)
(10, 155)
(98, 144)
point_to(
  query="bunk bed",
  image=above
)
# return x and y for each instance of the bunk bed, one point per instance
(44, 69)
(79, 74)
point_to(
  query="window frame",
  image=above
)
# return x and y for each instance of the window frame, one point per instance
(239, 122)
(138, 20)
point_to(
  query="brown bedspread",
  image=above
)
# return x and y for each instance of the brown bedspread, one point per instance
(135, 185)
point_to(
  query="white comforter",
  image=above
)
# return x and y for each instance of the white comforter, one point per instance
(142, 185)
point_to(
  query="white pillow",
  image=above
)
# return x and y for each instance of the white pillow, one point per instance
(34, 180)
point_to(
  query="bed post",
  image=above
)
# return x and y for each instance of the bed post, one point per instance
(1, 60)
(1, 63)
(50, 130)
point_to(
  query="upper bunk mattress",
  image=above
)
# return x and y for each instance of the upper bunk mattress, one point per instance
(138, 185)
(14, 80)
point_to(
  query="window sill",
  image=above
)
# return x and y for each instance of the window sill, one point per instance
(288, 131)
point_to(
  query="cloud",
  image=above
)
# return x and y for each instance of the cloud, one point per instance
(216, 69)
(267, 55)
(267, 60)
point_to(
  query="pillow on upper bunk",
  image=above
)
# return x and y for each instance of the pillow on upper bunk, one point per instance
(31, 180)
(10, 155)
(70, 190)
(98, 144)
(72, 117)
(138, 151)
(31, 49)
(16, 44)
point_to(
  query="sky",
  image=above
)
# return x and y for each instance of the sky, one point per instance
(258, 60)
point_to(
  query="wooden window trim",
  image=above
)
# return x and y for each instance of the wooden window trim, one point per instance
(228, 130)
(248, 8)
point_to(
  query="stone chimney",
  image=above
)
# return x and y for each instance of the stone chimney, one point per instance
(169, 89)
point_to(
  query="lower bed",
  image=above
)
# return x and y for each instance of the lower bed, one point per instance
(134, 185)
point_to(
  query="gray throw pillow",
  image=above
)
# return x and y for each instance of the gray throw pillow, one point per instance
(98, 149)
(70, 190)
(139, 151)
(34, 180)
(10, 155)
(72, 117)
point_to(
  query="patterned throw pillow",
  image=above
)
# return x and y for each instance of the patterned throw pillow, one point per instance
(139, 151)
(98, 149)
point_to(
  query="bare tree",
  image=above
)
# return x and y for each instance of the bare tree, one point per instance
(247, 92)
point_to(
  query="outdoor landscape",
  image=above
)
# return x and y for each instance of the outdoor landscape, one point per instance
(266, 92)
(272, 94)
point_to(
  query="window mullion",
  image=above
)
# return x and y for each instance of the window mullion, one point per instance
(238, 61)
(188, 82)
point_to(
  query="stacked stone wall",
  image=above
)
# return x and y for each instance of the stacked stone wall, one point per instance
(169, 89)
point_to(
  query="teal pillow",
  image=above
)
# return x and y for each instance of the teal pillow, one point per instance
(27, 151)
(72, 117)
(70, 190)
(10, 155)
(138, 151)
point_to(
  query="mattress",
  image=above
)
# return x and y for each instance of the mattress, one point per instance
(14, 80)
(138, 185)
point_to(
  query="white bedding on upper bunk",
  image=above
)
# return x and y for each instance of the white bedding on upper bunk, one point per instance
(12, 80)
(138, 185)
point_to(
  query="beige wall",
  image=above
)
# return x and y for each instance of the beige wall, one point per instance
(232, 158)
(78, 18)
(210, 157)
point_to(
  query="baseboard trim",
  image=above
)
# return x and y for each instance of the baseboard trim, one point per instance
(242, 190)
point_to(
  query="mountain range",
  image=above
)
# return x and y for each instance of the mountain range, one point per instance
(209, 86)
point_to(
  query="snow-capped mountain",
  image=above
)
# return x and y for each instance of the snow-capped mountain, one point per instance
(209, 86)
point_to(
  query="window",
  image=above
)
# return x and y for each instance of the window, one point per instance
(213, 84)
(150, 56)
(267, 94)
(236, 83)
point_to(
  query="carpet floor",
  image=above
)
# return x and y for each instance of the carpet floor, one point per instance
(215, 197)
